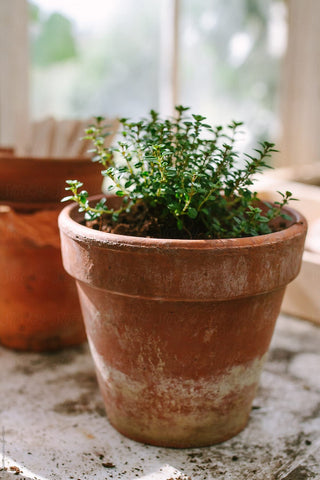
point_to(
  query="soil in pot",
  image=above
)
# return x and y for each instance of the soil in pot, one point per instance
(141, 221)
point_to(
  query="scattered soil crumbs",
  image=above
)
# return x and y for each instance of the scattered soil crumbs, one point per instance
(51, 361)
(108, 465)
(179, 478)
(86, 380)
(300, 473)
(16, 470)
(281, 355)
(84, 404)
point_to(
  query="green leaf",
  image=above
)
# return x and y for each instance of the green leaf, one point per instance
(192, 213)
(286, 217)
(179, 224)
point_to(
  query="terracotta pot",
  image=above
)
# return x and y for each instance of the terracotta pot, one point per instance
(39, 307)
(6, 152)
(179, 329)
(31, 182)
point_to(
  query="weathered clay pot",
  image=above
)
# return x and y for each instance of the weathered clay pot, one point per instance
(31, 182)
(179, 329)
(39, 306)
(6, 152)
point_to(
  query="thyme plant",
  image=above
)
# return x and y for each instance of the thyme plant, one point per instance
(184, 170)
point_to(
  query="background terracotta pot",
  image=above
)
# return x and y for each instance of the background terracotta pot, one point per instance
(31, 182)
(179, 330)
(6, 152)
(39, 307)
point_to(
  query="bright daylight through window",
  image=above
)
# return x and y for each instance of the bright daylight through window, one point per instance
(228, 58)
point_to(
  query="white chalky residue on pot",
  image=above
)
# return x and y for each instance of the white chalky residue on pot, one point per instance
(204, 282)
(208, 334)
(215, 388)
(160, 404)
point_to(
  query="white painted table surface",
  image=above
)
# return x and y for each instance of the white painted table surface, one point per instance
(54, 426)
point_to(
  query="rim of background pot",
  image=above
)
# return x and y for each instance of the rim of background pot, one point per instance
(41, 180)
(6, 151)
(30, 207)
(174, 269)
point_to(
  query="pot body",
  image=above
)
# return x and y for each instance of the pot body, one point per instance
(179, 330)
(39, 306)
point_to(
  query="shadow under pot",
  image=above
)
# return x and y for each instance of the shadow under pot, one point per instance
(179, 329)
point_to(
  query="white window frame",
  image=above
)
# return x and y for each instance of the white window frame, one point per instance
(14, 74)
(300, 85)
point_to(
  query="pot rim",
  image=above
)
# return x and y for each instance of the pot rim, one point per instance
(69, 224)
(30, 207)
(45, 159)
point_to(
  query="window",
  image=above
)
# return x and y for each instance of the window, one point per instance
(104, 57)
(94, 57)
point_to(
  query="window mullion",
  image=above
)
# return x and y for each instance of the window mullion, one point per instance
(300, 93)
(168, 76)
(14, 68)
